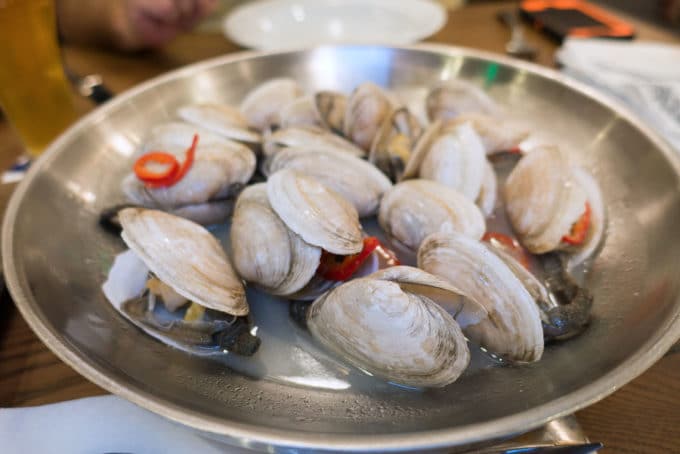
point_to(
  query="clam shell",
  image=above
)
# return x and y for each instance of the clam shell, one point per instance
(221, 119)
(186, 257)
(356, 180)
(220, 167)
(399, 336)
(393, 144)
(265, 251)
(542, 199)
(367, 108)
(299, 112)
(305, 138)
(176, 137)
(513, 327)
(414, 280)
(331, 107)
(486, 201)
(598, 219)
(497, 134)
(456, 97)
(261, 105)
(414, 209)
(421, 149)
(318, 214)
(456, 159)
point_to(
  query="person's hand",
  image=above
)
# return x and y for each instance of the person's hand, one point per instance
(152, 23)
(128, 24)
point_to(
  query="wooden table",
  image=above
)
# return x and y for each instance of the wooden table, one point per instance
(642, 417)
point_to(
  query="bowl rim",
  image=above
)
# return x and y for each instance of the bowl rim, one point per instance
(253, 436)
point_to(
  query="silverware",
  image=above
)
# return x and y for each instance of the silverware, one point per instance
(518, 46)
(90, 86)
(581, 448)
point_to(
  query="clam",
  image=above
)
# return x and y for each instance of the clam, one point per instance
(455, 97)
(330, 108)
(414, 209)
(299, 112)
(497, 134)
(318, 214)
(367, 109)
(455, 157)
(305, 138)
(221, 119)
(179, 263)
(512, 330)
(546, 198)
(392, 145)
(261, 105)
(205, 194)
(265, 251)
(355, 179)
(391, 330)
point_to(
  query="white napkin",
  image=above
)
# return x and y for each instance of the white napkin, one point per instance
(98, 425)
(644, 75)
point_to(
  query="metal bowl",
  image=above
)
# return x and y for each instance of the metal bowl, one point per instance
(55, 258)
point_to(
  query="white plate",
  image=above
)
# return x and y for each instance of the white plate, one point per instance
(285, 24)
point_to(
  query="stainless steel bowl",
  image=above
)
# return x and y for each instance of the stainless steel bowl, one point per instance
(56, 258)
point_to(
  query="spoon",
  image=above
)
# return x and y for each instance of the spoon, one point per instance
(518, 46)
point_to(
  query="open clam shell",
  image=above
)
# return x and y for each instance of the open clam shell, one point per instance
(455, 97)
(265, 251)
(513, 327)
(361, 183)
(299, 112)
(186, 257)
(457, 159)
(497, 134)
(330, 108)
(308, 138)
(221, 119)
(321, 216)
(394, 142)
(414, 209)
(386, 331)
(261, 105)
(367, 109)
(543, 199)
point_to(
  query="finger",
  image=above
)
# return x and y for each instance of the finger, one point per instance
(163, 11)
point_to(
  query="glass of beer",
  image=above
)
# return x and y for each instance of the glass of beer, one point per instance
(34, 92)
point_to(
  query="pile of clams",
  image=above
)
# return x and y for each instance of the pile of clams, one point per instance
(301, 178)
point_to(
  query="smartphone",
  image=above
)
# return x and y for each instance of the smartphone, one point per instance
(574, 18)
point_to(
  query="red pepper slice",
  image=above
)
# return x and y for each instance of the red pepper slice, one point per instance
(341, 267)
(159, 157)
(508, 244)
(579, 229)
(174, 173)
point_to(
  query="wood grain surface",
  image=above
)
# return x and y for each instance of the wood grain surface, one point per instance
(642, 417)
